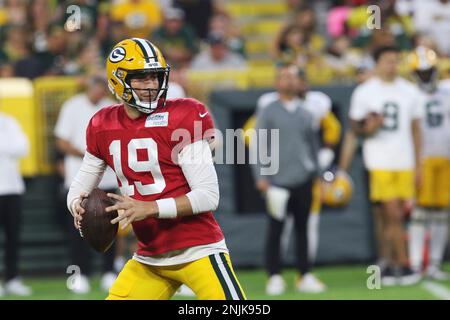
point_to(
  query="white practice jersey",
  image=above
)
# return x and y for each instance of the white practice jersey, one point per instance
(436, 122)
(316, 102)
(391, 147)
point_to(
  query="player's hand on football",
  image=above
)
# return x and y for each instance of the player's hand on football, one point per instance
(78, 210)
(130, 210)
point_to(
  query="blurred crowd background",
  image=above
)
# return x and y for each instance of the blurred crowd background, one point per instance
(330, 39)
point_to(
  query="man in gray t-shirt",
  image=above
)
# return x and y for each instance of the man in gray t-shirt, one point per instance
(286, 180)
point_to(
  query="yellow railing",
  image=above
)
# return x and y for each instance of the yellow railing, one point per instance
(36, 106)
(201, 83)
(50, 94)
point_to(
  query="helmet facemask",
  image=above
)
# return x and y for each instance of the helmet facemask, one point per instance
(426, 79)
(157, 96)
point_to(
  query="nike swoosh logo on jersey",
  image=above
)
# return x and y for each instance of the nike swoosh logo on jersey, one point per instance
(202, 115)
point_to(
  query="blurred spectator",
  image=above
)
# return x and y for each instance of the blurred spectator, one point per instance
(363, 74)
(294, 5)
(39, 17)
(86, 59)
(222, 23)
(70, 132)
(298, 41)
(381, 37)
(6, 70)
(16, 45)
(366, 64)
(217, 56)
(401, 27)
(116, 31)
(16, 12)
(337, 18)
(176, 39)
(88, 19)
(141, 17)
(50, 62)
(198, 13)
(341, 59)
(433, 19)
(13, 147)
(176, 89)
(306, 20)
(288, 47)
(104, 23)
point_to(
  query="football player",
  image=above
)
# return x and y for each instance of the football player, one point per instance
(433, 196)
(385, 112)
(159, 150)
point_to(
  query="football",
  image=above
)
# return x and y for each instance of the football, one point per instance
(96, 227)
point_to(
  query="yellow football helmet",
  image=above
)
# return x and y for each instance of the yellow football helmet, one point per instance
(336, 188)
(134, 57)
(423, 63)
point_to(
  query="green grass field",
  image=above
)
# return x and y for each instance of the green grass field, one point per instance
(344, 282)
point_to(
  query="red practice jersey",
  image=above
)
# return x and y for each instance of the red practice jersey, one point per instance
(143, 154)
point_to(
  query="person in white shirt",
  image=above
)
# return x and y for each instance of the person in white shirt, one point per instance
(430, 214)
(432, 18)
(70, 132)
(385, 112)
(13, 147)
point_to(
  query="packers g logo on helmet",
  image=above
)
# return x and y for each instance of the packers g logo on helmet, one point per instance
(336, 189)
(132, 57)
(118, 54)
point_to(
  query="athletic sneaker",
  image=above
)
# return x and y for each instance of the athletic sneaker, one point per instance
(435, 273)
(80, 285)
(107, 281)
(310, 284)
(388, 277)
(408, 277)
(17, 287)
(276, 285)
(382, 263)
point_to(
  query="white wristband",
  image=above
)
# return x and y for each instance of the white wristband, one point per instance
(167, 208)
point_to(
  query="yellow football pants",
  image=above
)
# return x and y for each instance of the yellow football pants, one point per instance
(390, 185)
(435, 187)
(211, 278)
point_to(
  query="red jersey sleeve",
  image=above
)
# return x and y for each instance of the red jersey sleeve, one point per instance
(91, 139)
